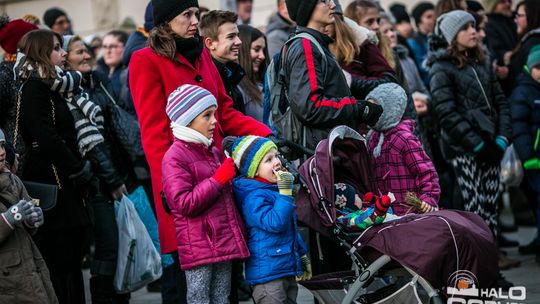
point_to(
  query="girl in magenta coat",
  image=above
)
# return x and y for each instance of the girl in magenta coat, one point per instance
(400, 164)
(197, 188)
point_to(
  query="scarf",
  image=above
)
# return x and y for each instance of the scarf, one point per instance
(189, 135)
(190, 48)
(86, 114)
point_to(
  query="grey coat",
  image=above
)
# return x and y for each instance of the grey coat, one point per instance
(278, 31)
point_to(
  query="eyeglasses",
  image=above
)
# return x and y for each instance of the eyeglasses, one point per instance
(111, 47)
(520, 15)
(327, 2)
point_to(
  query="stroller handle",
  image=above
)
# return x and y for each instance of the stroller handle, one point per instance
(297, 147)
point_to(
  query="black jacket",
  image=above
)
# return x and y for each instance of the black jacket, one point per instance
(52, 142)
(455, 92)
(232, 73)
(320, 103)
(502, 35)
(525, 101)
(519, 59)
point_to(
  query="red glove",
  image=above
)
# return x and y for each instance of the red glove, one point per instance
(226, 172)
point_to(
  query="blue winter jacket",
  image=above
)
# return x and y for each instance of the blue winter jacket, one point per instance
(525, 106)
(273, 239)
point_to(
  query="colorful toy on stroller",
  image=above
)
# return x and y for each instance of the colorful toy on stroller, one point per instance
(413, 259)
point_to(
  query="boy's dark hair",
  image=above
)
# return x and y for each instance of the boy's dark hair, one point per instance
(120, 35)
(211, 22)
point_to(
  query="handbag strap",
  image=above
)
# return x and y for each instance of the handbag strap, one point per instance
(481, 88)
(16, 132)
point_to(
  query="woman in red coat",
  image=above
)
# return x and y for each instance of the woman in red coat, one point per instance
(176, 56)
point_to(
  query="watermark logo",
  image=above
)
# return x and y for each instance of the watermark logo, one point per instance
(462, 288)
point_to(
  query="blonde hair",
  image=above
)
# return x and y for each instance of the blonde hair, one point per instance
(386, 50)
(345, 46)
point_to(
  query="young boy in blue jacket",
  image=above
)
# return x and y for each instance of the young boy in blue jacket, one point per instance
(263, 192)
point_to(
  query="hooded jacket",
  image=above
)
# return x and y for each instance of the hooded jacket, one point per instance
(273, 238)
(209, 228)
(403, 167)
(525, 101)
(278, 31)
(455, 92)
(319, 102)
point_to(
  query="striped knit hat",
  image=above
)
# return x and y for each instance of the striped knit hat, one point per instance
(247, 152)
(187, 102)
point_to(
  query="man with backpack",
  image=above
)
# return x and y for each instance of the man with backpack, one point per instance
(317, 97)
(315, 94)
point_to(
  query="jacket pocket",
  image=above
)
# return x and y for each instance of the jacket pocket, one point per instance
(210, 232)
(10, 272)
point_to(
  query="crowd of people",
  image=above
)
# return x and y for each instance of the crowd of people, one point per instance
(440, 103)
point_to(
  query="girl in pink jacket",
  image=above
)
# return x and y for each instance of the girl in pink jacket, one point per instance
(197, 187)
(400, 164)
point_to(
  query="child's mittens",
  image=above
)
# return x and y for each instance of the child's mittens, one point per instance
(226, 172)
(36, 218)
(307, 272)
(18, 213)
(285, 182)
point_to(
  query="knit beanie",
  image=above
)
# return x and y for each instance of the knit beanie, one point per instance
(533, 59)
(149, 17)
(187, 102)
(10, 153)
(300, 10)
(393, 100)
(420, 9)
(474, 6)
(12, 31)
(166, 10)
(67, 40)
(400, 13)
(2, 136)
(51, 15)
(448, 25)
(247, 152)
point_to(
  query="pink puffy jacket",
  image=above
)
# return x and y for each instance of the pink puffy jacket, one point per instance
(209, 228)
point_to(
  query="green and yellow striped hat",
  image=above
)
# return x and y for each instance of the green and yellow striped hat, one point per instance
(248, 152)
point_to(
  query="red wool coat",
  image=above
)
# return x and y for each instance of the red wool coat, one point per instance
(152, 78)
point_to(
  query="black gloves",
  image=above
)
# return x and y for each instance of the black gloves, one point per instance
(370, 113)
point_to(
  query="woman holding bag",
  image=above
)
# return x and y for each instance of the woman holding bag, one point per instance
(473, 114)
(52, 157)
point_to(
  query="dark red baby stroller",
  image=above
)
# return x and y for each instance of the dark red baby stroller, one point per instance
(414, 259)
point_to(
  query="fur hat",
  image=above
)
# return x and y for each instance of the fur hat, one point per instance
(399, 11)
(300, 10)
(12, 31)
(187, 102)
(448, 25)
(247, 152)
(166, 10)
(51, 15)
(420, 9)
(533, 59)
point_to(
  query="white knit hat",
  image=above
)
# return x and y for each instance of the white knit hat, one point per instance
(187, 102)
(449, 24)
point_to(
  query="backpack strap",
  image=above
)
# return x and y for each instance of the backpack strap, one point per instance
(312, 40)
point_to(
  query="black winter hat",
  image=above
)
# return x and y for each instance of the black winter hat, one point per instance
(420, 9)
(51, 15)
(166, 10)
(300, 10)
(474, 6)
(399, 11)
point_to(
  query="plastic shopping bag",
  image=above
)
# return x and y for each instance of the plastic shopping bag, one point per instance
(142, 205)
(139, 262)
(511, 168)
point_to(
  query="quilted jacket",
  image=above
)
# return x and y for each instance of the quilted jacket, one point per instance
(209, 228)
(273, 238)
(455, 92)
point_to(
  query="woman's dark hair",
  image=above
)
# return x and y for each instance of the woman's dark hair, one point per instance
(161, 41)
(461, 58)
(120, 35)
(532, 10)
(445, 6)
(248, 34)
(37, 46)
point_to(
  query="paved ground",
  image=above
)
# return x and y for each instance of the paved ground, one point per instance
(527, 275)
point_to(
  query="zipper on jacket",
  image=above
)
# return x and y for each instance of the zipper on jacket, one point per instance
(482, 88)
